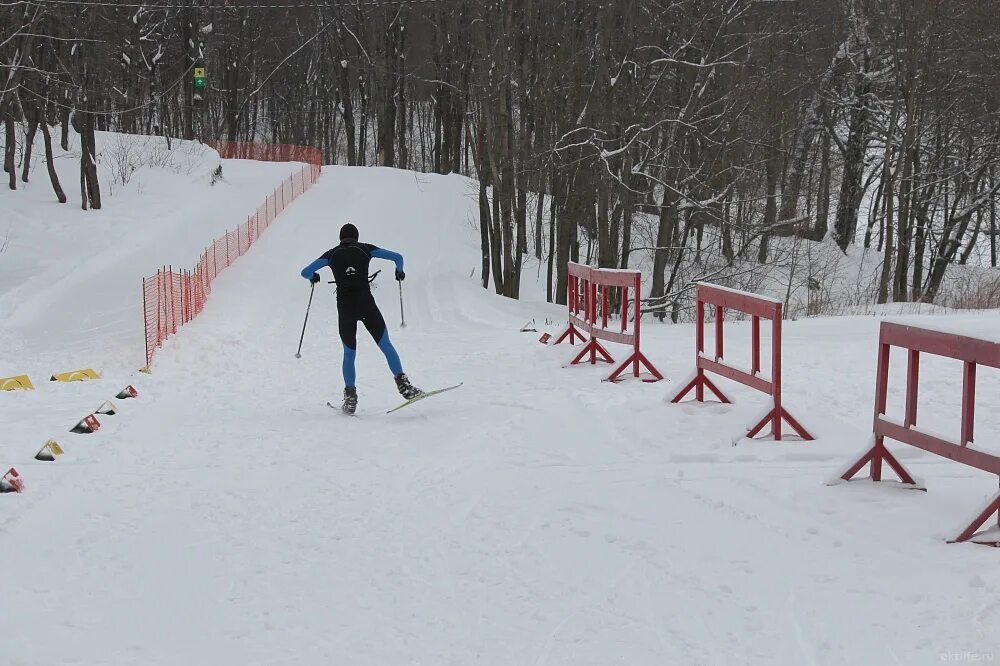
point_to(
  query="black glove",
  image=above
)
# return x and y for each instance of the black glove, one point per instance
(315, 278)
(400, 275)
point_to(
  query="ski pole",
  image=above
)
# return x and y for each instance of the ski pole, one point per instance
(312, 290)
(402, 317)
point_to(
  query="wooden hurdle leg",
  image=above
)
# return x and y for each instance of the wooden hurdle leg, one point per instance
(593, 349)
(875, 456)
(989, 537)
(572, 333)
(699, 384)
(779, 413)
(636, 361)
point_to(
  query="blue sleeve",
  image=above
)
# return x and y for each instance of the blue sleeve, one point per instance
(382, 253)
(308, 271)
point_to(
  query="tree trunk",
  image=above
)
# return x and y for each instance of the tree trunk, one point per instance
(851, 191)
(822, 225)
(504, 190)
(521, 211)
(605, 258)
(347, 96)
(496, 243)
(404, 151)
(188, 42)
(971, 193)
(664, 240)
(873, 215)
(8, 157)
(498, 234)
(727, 234)
(771, 206)
(88, 164)
(947, 248)
(566, 249)
(887, 194)
(438, 133)
(552, 235)
(29, 142)
(993, 228)
(485, 224)
(50, 163)
(680, 254)
(628, 209)
(361, 156)
(971, 245)
(521, 215)
(904, 226)
(64, 128)
(387, 116)
(923, 226)
(809, 122)
(83, 187)
(458, 108)
(539, 214)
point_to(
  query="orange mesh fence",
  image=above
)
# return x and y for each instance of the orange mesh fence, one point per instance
(267, 152)
(173, 297)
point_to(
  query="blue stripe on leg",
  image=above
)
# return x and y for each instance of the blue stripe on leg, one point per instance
(390, 354)
(349, 372)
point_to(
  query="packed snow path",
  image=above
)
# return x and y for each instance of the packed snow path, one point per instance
(535, 516)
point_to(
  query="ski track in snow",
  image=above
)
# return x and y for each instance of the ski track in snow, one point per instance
(535, 516)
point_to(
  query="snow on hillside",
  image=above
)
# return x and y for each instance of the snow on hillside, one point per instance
(70, 280)
(813, 278)
(537, 515)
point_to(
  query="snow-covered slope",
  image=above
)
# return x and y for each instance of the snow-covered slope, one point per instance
(70, 281)
(811, 278)
(535, 516)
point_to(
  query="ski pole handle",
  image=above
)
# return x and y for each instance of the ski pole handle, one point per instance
(302, 337)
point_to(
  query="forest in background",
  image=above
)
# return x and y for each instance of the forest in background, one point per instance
(694, 137)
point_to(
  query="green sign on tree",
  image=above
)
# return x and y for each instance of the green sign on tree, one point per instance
(199, 77)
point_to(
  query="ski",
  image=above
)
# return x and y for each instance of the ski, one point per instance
(425, 394)
(340, 408)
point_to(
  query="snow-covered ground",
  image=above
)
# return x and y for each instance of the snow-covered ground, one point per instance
(70, 280)
(534, 516)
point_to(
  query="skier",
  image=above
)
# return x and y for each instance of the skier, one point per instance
(349, 263)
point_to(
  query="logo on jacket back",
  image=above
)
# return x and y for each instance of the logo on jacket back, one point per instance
(350, 270)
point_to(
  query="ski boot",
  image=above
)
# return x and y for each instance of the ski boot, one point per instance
(350, 400)
(406, 389)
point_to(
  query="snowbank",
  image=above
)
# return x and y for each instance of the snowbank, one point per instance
(70, 290)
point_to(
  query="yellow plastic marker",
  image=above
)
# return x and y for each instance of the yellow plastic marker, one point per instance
(49, 452)
(75, 376)
(18, 383)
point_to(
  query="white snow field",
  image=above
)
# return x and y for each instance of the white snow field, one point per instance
(535, 516)
(70, 281)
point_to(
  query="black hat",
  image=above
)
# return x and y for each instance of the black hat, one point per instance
(349, 232)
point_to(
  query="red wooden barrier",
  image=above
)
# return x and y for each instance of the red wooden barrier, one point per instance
(758, 307)
(972, 352)
(597, 299)
(577, 287)
(623, 288)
